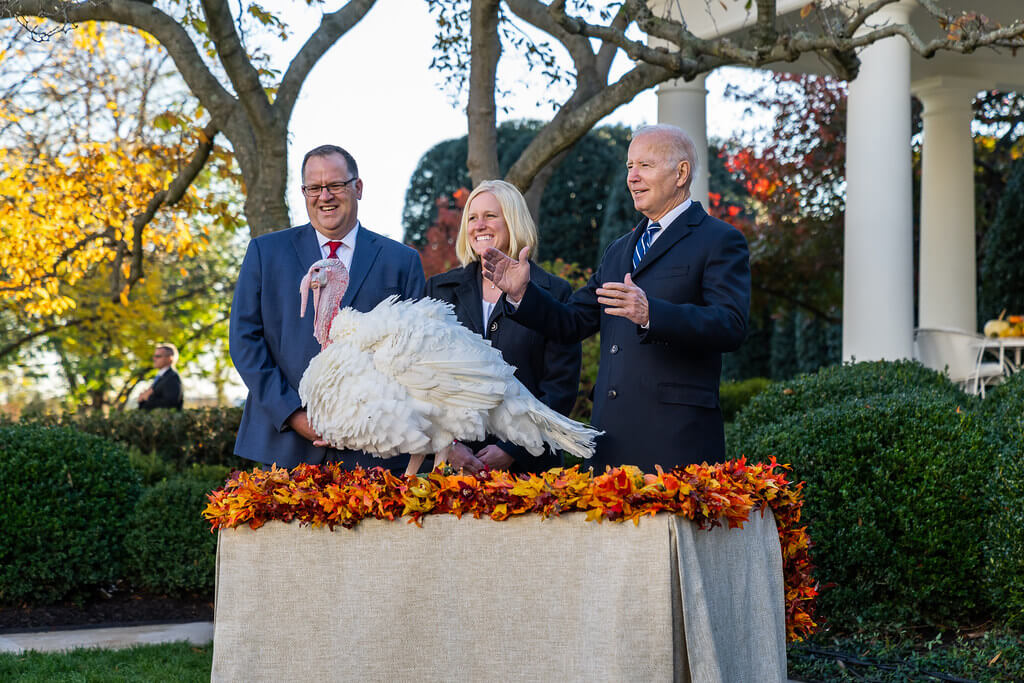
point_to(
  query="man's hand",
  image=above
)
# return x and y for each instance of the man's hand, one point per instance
(624, 299)
(495, 458)
(144, 396)
(299, 422)
(460, 457)
(507, 274)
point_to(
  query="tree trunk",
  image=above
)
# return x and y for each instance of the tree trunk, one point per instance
(535, 193)
(262, 156)
(482, 155)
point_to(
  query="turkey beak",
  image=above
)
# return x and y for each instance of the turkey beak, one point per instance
(304, 293)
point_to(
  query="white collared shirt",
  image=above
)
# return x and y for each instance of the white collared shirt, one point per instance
(345, 251)
(667, 219)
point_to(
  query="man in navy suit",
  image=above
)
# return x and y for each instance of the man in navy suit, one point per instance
(668, 299)
(271, 345)
(166, 390)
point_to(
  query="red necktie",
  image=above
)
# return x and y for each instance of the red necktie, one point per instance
(334, 248)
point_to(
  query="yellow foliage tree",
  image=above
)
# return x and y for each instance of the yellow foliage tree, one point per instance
(61, 217)
(110, 193)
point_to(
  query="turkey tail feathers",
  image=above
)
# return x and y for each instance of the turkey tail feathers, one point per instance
(559, 431)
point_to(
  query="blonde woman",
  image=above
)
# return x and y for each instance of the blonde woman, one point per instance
(496, 216)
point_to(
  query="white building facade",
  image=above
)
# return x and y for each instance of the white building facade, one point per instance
(878, 277)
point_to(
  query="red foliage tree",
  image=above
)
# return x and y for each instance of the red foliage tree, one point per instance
(438, 254)
(793, 215)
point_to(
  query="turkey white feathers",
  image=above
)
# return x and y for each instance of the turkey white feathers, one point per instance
(407, 377)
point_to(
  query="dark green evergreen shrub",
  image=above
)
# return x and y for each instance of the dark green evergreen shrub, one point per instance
(182, 437)
(152, 468)
(169, 546)
(64, 498)
(839, 382)
(1003, 411)
(896, 488)
(733, 396)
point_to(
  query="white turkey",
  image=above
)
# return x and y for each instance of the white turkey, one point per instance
(407, 377)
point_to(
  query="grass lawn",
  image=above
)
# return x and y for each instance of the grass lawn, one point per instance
(992, 657)
(157, 663)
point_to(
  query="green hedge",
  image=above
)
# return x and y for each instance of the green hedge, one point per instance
(897, 465)
(183, 437)
(64, 498)
(838, 382)
(169, 546)
(1003, 411)
(734, 396)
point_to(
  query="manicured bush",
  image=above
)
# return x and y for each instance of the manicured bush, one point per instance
(154, 468)
(897, 490)
(169, 545)
(1003, 411)
(840, 382)
(64, 497)
(183, 437)
(733, 396)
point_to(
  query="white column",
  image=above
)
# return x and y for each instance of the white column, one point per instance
(878, 272)
(948, 285)
(684, 104)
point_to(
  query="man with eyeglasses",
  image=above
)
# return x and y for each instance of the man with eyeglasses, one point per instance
(271, 345)
(166, 390)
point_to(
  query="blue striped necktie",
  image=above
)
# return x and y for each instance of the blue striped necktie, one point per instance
(644, 243)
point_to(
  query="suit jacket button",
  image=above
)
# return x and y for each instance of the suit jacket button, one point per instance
(612, 393)
(615, 348)
(494, 326)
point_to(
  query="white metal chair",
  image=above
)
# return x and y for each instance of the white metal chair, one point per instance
(959, 355)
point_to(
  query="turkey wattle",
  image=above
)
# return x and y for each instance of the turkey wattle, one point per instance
(407, 377)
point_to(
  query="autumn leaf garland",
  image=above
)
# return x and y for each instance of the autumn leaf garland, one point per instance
(710, 495)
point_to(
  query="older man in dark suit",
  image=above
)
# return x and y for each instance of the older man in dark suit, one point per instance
(668, 298)
(271, 345)
(166, 390)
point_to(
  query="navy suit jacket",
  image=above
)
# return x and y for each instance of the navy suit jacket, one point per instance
(167, 392)
(549, 369)
(271, 345)
(656, 395)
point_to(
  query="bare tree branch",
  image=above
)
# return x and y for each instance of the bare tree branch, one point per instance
(332, 27)
(237, 65)
(168, 197)
(767, 44)
(142, 16)
(569, 126)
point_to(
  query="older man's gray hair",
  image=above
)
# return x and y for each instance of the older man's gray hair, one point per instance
(680, 145)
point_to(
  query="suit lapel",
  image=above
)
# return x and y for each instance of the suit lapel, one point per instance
(307, 247)
(680, 228)
(626, 258)
(468, 297)
(367, 248)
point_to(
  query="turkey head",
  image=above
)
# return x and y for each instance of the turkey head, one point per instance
(328, 278)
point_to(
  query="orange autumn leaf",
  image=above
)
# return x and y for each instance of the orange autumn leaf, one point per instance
(710, 495)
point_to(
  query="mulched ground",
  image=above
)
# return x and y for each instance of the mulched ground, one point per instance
(120, 609)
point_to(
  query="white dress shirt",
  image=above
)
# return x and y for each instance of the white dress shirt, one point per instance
(345, 251)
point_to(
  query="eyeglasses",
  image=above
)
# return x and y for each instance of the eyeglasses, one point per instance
(333, 189)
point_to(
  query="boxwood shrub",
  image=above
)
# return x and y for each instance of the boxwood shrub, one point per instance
(839, 382)
(169, 546)
(183, 437)
(733, 396)
(897, 477)
(64, 498)
(1003, 411)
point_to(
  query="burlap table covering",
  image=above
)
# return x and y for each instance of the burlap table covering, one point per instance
(521, 600)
